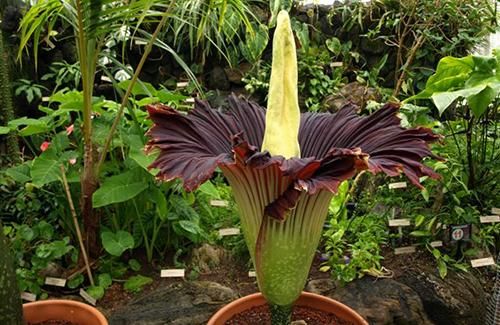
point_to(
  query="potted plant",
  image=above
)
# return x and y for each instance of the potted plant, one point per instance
(284, 167)
(12, 310)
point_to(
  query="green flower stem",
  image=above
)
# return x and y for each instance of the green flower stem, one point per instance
(280, 315)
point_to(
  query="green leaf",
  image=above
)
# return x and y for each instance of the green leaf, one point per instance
(25, 232)
(45, 230)
(134, 265)
(45, 169)
(479, 102)
(443, 100)
(116, 243)
(119, 188)
(76, 281)
(443, 268)
(209, 189)
(96, 292)
(139, 88)
(420, 233)
(158, 198)
(4, 130)
(137, 153)
(255, 44)
(20, 173)
(190, 226)
(135, 283)
(104, 280)
(333, 44)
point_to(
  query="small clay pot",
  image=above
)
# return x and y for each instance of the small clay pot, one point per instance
(306, 299)
(68, 310)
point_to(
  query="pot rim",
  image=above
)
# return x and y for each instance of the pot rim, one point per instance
(69, 303)
(304, 295)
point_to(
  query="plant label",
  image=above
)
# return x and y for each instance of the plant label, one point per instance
(336, 64)
(182, 84)
(399, 222)
(405, 250)
(189, 101)
(219, 203)
(460, 232)
(480, 262)
(58, 282)
(173, 273)
(436, 243)
(28, 296)
(105, 78)
(91, 300)
(45, 99)
(495, 211)
(229, 232)
(140, 42)
(489, 219)
(252, 274)
(393, 186)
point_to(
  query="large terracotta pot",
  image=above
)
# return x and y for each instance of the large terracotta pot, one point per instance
(306, 299)
(68, 310)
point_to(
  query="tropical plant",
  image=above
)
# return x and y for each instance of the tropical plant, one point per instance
(92, 22)
(283, 199)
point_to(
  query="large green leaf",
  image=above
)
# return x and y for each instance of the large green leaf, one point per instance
(135, 283)
(4, 130)
(479, 102)
(46, 168)
(116, 243)
(120, 188)
(139, 156)
(20, 173)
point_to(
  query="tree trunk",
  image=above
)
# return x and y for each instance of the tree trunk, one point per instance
(11, 311)
(6, 101)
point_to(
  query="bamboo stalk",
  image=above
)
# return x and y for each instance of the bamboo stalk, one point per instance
(77, 226)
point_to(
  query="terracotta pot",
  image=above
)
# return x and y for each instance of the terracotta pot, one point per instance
(68, 310)
(306, 299)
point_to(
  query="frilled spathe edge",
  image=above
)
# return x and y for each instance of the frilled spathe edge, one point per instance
(336, 147)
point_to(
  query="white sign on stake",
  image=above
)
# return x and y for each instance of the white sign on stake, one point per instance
(219, 203)
(405, 250)
(436, 243)
(489, 219)
(105, 78)
(482, 262)
(252, 274)
(399, 222)
(173, 273)
(140, 42)
(393, 186)
(229, 232)
(495, 210)
(58, 282)
(28, 296)
(189, 101)
(182, 84)
(91, 300)
(336, 64)
(45, 99)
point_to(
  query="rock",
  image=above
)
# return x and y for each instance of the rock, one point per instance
(353, 92)
(186, 303)
(217, 79)
(458, 299)
(382, 301)
(208, 257)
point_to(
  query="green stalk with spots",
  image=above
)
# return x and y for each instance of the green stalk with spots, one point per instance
(11, 311)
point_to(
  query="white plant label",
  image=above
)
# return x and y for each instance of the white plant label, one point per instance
(182, 84)
(393, 186)
(219, 203)
(495, 210)
(229, 232)
(336, 64)
(482, 262)
(436, 243)
(140, 42)
(105, 78)
(399, 222)
(45, 99)
(489, 219)
(405, 250)
(28, 296)
(252, 274)
(91, 300)
(189, 101)
(58, 282)
(173, 273)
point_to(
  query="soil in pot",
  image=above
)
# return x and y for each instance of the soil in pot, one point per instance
(260, 316)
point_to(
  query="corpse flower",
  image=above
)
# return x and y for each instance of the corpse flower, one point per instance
(283, 166)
